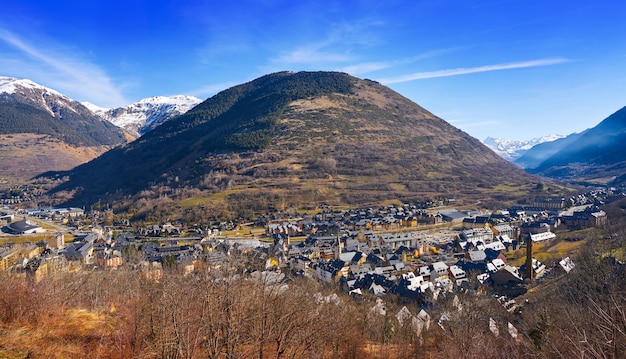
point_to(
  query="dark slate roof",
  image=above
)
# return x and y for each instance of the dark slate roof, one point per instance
(20, 226)
(491, 254)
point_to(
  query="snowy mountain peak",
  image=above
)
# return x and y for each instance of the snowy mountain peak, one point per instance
(136, 118)
(511, 150)
(144, 115)
(11, 85)
(32, 93)
(180, 100)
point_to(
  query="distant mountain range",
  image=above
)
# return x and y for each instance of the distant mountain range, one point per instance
(511, 150)
(594, 156)
(144, 115)
(597, 154)
(295, 139)
(533, 157)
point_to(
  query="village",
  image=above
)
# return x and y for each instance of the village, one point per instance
(418, 252)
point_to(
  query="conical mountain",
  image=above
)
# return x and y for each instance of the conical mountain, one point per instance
(296, 139)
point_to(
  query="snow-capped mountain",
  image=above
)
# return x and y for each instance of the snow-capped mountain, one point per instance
(11, 85)
(144, 115)
(34, 108)
(25, 90)
(511, 150)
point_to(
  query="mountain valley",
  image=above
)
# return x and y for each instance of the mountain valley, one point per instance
(44, 130)
(284, 139)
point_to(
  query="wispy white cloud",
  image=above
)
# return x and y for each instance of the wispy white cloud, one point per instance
(472, 70)
(367, 67)
(60, 69)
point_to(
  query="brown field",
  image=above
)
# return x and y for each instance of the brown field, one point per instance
(25, 155)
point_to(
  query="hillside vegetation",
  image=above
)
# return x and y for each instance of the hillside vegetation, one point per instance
(294, 139)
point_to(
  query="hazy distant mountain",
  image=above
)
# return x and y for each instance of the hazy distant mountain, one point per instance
(144, 115)
(511, 150)
(533, 157)
(297, 139)
(599, 152)
(42, 130)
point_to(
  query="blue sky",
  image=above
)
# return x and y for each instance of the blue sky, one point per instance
(510, 69)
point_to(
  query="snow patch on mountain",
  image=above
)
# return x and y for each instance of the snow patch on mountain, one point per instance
(144, 115)
(95, 108)
(511, 150)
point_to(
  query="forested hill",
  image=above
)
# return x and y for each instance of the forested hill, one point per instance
(246, 116)
(295, 139)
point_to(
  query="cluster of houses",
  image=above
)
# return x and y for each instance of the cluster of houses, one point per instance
(410, 265)
(402, 250)
(150, 251)
(406, 251)
(52, 212)
(530, 219)
(19, 194)
(382, 219)
(384, 252)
